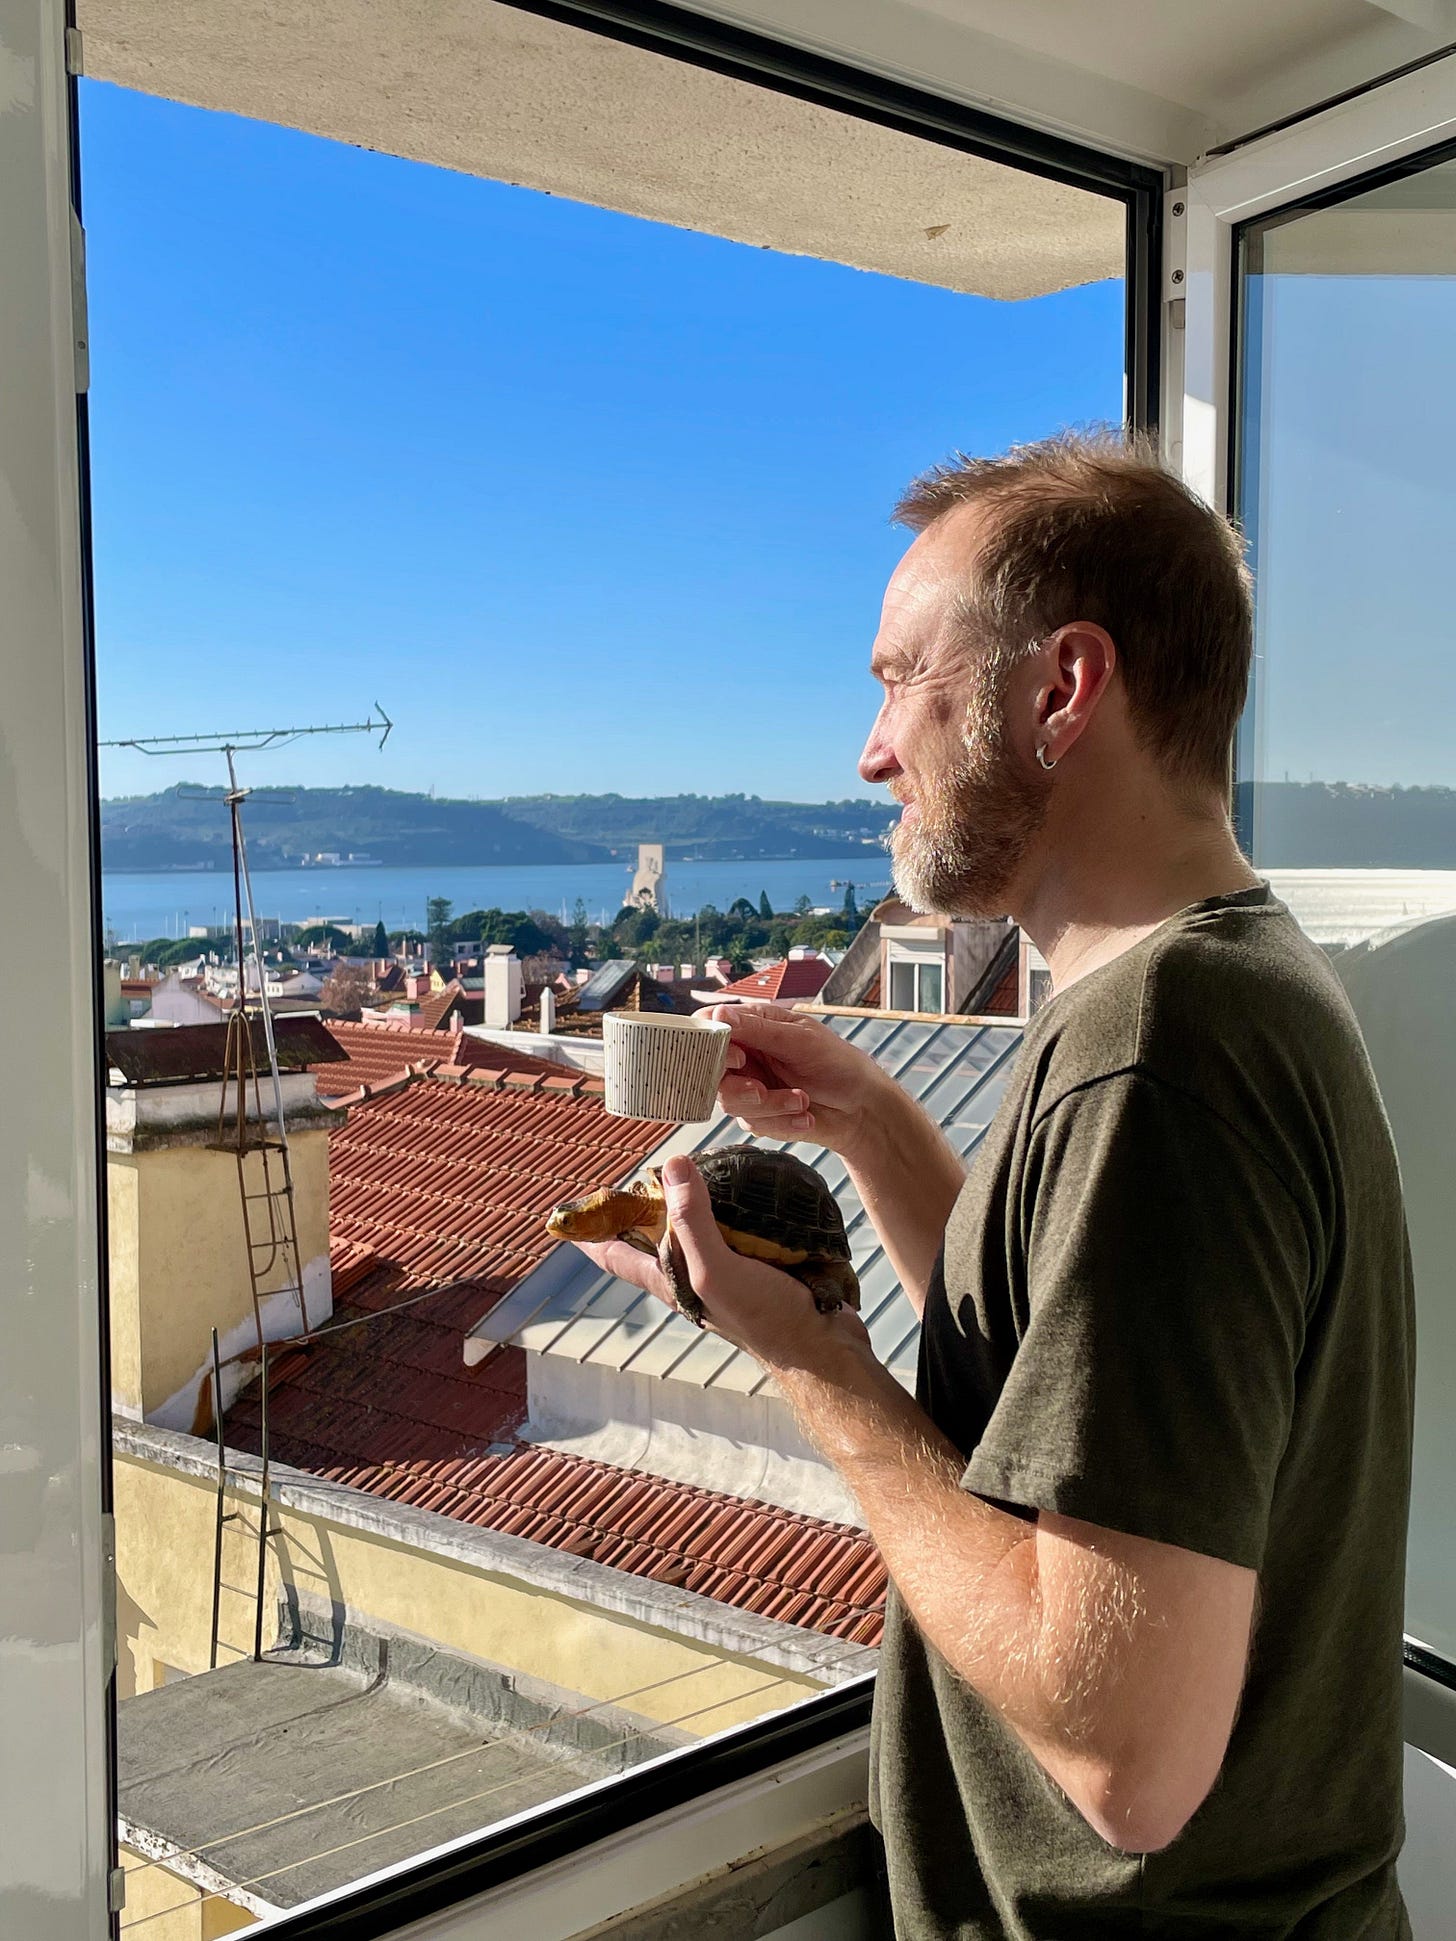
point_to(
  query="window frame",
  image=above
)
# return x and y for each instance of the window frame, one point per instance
(1397, 129)
(446, 1878)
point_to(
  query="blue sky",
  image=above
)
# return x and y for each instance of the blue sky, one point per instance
(587, 503)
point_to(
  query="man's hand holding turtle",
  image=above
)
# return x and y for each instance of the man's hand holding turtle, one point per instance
(759, 1308)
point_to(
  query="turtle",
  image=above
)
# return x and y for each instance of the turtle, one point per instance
(768, 1205)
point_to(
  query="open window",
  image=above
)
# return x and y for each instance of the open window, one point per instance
(552, 387)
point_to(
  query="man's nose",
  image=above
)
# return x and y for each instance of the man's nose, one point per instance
(877, 763)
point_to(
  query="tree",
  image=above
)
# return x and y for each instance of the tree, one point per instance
(741, 907)
(577, 935)
(325, 936)
(347, 990)
(381, 940)
(851, 908)
(802, 906)
(765, 908)
(437, 923)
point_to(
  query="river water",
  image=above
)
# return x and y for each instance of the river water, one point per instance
(140, 905)
(1336, 906)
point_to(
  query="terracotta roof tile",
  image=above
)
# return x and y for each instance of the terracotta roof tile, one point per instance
(789, 979)
(377, 1052)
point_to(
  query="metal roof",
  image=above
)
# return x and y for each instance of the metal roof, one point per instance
(191, 1052)
(567, 1306)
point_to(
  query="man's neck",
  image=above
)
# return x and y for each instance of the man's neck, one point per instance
(1088, 902)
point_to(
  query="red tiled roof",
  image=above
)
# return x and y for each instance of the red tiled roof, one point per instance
(378, 1052)
(431, 1012)
(438, 1191)
(789, 978)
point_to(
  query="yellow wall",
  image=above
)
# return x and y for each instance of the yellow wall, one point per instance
(179, 1264)
(173, 1909)
(164, 1533)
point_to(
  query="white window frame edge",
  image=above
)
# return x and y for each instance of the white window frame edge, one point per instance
(1381, 126)
(1387, 124)
(55, 1585)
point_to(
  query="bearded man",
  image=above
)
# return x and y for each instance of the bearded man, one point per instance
(1145, 1519)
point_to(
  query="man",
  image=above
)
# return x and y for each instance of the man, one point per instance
(1145, 1520)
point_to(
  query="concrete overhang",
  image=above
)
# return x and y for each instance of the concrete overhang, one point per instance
(491, 91)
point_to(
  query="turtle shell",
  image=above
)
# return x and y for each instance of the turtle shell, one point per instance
(776, 1197)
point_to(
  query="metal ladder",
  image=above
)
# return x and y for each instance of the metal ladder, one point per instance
(222, 1515)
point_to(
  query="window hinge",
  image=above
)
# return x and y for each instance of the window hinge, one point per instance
(108, 1594)
(79, 331)
(116, 1890)
(75, 51)
(1175, 245)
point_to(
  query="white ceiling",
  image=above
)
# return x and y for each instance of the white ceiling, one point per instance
(1164, 79)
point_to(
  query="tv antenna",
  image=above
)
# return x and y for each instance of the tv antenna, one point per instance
(265, 1187)
(250, 740)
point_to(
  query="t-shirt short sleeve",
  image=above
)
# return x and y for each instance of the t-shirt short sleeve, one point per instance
(1167, 1271)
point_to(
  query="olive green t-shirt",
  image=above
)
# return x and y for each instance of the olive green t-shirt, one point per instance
(1175, 1300)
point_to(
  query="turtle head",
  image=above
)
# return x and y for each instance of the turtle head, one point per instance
(605, 1214)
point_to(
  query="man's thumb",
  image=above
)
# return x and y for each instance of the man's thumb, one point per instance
(690, 1212)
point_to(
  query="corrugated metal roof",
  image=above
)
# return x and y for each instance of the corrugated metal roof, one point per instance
(569, 1307)
(191, 1052)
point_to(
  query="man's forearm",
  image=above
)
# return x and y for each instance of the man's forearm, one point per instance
(907, 1176)
(968, 1573)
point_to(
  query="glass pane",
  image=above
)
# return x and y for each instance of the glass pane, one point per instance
(1347, 772)
(932, 981)
(559, 479)
(902, 987)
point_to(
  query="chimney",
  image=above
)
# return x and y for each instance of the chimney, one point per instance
(548, 1012)
(178, 1250)
(417, 985)
(687, 970)
(502, 987)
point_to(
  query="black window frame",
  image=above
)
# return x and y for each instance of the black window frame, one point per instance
(436, 1883)
(1421, 1662)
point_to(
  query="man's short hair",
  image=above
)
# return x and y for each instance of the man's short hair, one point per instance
(1091, 526)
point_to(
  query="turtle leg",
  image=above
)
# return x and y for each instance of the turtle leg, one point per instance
(833, 1283)
(671, 1259)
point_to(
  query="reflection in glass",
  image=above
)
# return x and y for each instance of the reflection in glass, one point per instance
(1346, 790)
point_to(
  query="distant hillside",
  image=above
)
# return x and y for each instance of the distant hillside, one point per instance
(726, 826)
(177, 830)
(1306, 825)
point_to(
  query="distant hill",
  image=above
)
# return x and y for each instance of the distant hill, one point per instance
(177, 830)
(710, 826)
(1302, 825)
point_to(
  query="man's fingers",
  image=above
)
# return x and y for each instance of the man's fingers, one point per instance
(750, 1097)
(629, 1263)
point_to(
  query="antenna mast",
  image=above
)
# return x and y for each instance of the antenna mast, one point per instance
(270, 1225)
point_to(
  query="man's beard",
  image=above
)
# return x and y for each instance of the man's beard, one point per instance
(961, 853)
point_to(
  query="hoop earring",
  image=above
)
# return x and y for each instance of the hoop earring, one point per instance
(1041, 755)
